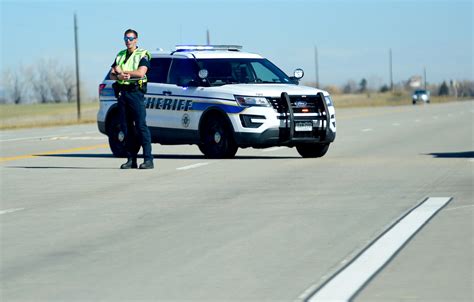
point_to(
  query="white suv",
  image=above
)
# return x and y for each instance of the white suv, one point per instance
(221, 99)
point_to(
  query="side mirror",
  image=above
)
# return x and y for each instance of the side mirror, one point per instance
(298, 73)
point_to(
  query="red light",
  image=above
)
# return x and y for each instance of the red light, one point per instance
(305, 110)
(101, 87)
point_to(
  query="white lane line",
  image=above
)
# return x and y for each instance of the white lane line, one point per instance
(10, 211)
(77, 138)
(273, 149)
(348, 281)
(192, 166)
(38, 137)
(367, 130)
(26, 138)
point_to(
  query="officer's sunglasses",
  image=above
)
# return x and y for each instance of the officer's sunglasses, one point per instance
(128, 39)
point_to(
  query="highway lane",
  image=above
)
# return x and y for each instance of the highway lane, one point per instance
(265, 226)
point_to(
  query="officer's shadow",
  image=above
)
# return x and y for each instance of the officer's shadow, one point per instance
(156, 157)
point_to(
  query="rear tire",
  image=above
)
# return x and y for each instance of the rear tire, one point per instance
(312, 150)
(217, 139)
(116, 138)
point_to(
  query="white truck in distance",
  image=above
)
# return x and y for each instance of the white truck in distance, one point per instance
(221, 99)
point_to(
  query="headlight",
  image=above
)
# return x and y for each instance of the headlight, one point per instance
(328, 100)
(252, 101)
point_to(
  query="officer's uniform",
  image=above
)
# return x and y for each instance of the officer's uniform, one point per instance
(131, 103)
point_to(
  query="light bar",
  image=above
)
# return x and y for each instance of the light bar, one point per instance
(208, 47)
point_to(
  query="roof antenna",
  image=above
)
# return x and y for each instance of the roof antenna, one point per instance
(208, 38)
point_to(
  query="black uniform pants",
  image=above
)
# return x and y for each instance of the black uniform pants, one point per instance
(133, 123)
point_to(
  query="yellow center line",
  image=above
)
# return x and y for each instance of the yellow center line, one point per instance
(10, 158)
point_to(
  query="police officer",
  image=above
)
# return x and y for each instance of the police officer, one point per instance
(129, 70)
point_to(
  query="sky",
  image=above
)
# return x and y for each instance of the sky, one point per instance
(353, 37)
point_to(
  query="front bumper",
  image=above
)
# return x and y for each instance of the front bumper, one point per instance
(279, 137)
(288, 133)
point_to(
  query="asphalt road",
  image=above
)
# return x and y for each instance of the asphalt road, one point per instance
(265, 226)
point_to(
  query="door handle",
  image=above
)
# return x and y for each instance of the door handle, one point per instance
(167, 92)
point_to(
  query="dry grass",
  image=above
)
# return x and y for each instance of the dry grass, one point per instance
(380, 99)
(44, 115)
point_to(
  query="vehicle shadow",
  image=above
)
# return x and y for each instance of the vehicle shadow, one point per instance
(167, 156)
(467, 154)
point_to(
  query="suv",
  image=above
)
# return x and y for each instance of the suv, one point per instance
(420, 95)
(221, 99)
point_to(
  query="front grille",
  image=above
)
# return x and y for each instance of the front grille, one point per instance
(305, 108)
(298, 102)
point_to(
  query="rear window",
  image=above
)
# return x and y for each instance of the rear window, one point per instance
(158, 71)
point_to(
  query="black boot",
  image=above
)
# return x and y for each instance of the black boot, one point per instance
(147, 164)
(130, 164)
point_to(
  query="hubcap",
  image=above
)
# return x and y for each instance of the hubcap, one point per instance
(217, 137)
(121, 136)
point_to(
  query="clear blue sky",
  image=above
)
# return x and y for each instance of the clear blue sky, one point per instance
(353, 37)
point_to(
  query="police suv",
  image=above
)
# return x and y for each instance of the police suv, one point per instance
(221, 99)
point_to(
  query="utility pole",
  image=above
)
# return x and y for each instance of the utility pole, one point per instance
(424, 76)
(316, 65)
(390, 69)
(208, 38)
(78, 90)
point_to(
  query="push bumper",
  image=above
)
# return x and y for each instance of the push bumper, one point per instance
(288, 135)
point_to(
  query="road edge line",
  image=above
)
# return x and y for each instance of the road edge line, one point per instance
(314, 290)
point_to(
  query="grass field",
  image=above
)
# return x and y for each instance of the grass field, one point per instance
(44, 115)
(380, 99)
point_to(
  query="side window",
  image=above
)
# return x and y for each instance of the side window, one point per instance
(158, 71)
(183, 71)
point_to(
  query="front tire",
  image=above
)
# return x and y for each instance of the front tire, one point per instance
(217, 140)
(312, 150)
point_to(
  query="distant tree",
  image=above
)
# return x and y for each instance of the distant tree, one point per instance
(14, 86)
(349, 87)
(466, 88)
(66, 84)
(384, 88)
(40, 81)
(443, 89)
(363, 85)
(52, 83)
(332, 89)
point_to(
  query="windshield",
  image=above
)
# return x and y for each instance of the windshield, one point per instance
(420, 92)
(242, 71)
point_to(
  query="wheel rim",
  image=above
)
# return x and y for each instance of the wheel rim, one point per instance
(217, 137)
(121, 136)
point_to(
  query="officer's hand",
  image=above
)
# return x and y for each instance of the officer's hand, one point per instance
(123, 76)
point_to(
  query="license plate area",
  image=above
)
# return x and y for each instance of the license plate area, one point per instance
(304, 126)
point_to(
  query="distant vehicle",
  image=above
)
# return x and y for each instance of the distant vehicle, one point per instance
(221, 99)
(420, 95)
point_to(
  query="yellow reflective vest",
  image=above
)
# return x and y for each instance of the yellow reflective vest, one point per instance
(131, 64)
